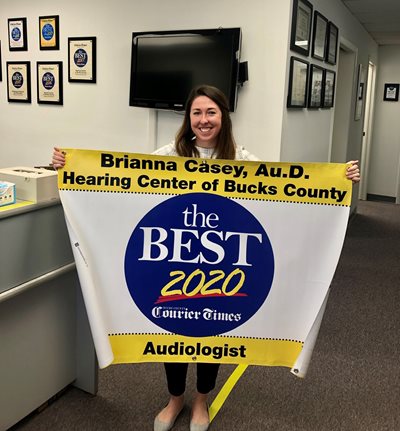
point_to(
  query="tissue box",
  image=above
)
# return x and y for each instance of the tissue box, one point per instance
(7, 193)
(32, 184)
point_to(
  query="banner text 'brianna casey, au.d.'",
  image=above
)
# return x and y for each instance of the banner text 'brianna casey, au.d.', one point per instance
(154, 174)
(185, 259)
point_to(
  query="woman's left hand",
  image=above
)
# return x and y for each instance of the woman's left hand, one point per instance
(353, 171)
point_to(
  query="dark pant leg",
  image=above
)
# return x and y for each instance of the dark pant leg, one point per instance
(176, 377)
(206, 377)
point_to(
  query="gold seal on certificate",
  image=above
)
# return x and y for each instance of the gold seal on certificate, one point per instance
(82, 59)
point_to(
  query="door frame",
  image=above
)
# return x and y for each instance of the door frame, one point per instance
(367, 129)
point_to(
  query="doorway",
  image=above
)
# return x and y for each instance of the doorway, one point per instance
(344, 106)
(367, 130)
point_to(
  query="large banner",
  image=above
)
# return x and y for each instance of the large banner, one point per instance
(193, 260)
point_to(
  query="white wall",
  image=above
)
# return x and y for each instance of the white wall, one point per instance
(98, 115)
(307, 134)
(93, 115)
(385, 147)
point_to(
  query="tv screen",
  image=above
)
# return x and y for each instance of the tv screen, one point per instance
(166, 65)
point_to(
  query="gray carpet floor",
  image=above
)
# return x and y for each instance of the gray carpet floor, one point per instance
(353, 382)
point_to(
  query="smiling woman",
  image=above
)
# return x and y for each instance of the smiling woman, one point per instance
(207, 124)
(205, 120)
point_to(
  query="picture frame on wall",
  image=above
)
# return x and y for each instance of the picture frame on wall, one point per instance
(49, 82)
(301, 26)
(17, 34)
(82, 59)
(1, 65)
(19, 81)
(315, 87)
(329, 82)
(320, 31)
(298, 83)
(391, 92)
(49, 32)
(332, 43)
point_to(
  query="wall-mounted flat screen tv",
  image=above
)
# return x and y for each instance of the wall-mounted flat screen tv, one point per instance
(166, 65)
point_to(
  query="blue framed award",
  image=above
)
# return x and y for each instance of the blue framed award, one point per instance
(49, 33)
(17, 34)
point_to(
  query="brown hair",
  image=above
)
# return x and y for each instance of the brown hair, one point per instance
(184, 142)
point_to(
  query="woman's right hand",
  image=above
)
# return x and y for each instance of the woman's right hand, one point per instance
(58, 159)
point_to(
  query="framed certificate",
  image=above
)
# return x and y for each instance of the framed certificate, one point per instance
(332, 43)
(301, 26)
(328, 88)
(298, 82)
(17, 34)
(320, 27)
(315, 87)
(391, 93)
(49, 82)
(19, 81)
(49, 33)
(82, 59)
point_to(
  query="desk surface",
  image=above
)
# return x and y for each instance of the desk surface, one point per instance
(18, 204)
(21, 207)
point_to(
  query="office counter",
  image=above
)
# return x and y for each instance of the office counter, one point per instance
(45, 340)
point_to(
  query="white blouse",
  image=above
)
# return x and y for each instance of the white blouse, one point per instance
(205, 153)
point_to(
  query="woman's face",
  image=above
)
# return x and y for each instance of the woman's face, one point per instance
(205, 121)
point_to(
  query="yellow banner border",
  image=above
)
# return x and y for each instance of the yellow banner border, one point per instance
(116, 172)
(131, 348)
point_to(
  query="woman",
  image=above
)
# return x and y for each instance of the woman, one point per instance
(206, 132)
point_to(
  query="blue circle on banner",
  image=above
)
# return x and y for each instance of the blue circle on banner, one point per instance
(199, 264)
(48, 32)
(48, 81)
(80, 57)
(17, 80)
(16, 34)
